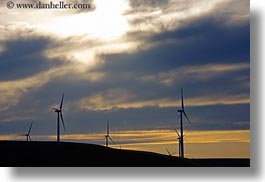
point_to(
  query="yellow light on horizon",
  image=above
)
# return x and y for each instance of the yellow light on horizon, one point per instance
(198, 144)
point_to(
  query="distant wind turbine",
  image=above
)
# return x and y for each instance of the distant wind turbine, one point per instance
(27, 135)
(182, 112)
(59, 116)
(107, 136)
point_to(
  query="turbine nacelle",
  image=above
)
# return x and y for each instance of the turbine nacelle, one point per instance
(56, 110)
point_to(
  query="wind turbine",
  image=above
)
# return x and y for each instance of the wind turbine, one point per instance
(107, 136)
(27, 135)
(59, 116)
(182, 112)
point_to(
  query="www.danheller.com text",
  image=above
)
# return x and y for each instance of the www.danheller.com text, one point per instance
(49, 5)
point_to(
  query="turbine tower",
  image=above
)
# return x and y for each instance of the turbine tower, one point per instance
(182, 112)
(59, 116)
(179, 139)
(27, 135)
(107, 136)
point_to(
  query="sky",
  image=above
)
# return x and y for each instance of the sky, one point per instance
(126, 61)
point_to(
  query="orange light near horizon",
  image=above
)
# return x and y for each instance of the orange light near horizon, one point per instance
(198, 144)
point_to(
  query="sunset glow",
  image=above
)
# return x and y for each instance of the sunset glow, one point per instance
(199, 144)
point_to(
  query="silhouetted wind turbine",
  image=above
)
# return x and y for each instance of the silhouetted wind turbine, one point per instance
(27, 135)
(107, 136)
(182, 112)
(59, 115)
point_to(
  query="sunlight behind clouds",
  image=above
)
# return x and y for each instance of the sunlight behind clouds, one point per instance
(106, 29)
(105, 22)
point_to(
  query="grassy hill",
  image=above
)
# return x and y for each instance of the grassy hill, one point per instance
(30, 154)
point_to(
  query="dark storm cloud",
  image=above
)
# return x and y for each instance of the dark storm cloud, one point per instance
(200, 43)
(24, 58)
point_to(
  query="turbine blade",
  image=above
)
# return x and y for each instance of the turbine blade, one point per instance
(186, 117)
(30, 127)
(61, 115)
(177, 133)
(182, 102)
(61, 105)
(30, 138)
(108, 128)
(168, 152)
(111, 140)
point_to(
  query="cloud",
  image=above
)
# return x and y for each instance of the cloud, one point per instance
(200, 44)
(105, 100)
(110, 100)
(12, 91)
(24, 58)
(155, 16)
(200, 73)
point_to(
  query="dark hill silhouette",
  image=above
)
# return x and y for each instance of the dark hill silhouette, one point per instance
(30, 154)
